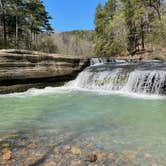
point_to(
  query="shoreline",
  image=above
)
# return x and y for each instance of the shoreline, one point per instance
(66, 149)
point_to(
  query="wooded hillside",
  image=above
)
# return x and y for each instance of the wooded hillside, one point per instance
(129, 26)
(78, 42)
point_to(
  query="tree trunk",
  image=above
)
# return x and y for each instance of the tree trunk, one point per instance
(4, 24)
(156, 7)
(16, 28)
(142, 35)
(16, 37)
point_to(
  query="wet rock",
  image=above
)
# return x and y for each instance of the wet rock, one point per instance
(50, 163)
(111, 156)
(7, 154)
(29, 161)
(32, 146)
(101, 156)
(75, 162)
(91, 157)
(22, 152)
(115, 142)
(67, 148)
(129, 155)
(57, 157)
(5, 145)
(148, 156)
(75, 151)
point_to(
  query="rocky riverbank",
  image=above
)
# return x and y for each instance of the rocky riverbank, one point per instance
(21, 70)
(67, 150)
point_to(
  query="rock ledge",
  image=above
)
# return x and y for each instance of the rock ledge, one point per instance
(21, 70)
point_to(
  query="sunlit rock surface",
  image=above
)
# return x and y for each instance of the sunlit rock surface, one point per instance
(21, 70)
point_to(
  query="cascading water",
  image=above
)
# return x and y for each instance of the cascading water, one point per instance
(106, 80)
(142, 77)
(98, 61)
(153, 82)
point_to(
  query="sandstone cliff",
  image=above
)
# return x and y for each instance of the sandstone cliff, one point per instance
(21, 70)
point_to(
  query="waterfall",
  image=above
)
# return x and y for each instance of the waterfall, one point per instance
(122, 78)
(98, 61)
(153, 82)
(105, 80)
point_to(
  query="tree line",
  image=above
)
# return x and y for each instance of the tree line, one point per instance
(129, 26)
(121, 27)
(21, 22)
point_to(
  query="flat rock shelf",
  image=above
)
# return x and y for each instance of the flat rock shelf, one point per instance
(21, 70)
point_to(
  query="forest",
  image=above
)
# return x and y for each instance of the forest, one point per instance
(129, 26)
(21, 22)
(122, 27)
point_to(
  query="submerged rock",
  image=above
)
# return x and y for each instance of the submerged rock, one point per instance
(67, 147)
(5, 145)
(7, 154)
(91, 157)
(130, 155)
(51, 163)
(75, 151)
(32, 146)
(75, 162)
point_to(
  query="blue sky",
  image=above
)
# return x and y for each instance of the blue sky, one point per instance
(72, 14)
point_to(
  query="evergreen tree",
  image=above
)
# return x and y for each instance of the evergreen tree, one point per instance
(137, 17)
(104, 33)
(100, 23)
(21, 21)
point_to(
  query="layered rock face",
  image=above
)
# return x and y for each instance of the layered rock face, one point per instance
(21, 70)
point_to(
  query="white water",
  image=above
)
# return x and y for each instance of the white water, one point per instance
(120, 80)
(105, 80)
(99, 61)
(146, 82)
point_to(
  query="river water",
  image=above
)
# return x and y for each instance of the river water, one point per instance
(130, 126)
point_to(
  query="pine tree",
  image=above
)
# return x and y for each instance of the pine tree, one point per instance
(21, 21)
(100, 23)
(104, 34)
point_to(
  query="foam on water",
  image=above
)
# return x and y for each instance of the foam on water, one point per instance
(67, 89)
(152, 82)
(37, 92)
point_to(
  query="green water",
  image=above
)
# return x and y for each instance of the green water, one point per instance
(110, 122)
